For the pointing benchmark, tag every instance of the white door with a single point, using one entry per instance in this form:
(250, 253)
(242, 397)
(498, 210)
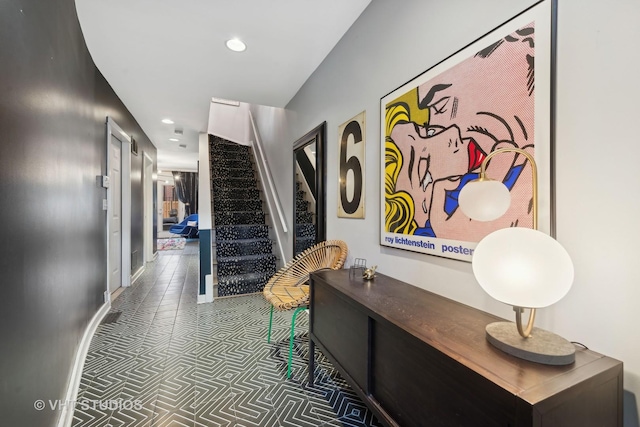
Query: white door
(148, 208)
(115, 218)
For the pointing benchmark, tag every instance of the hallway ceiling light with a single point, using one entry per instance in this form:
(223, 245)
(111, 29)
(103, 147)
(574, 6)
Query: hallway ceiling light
(167, 121)
(174, 139)
(236, 45)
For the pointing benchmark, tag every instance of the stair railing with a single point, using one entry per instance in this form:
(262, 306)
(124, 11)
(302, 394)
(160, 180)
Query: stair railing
(269, 188)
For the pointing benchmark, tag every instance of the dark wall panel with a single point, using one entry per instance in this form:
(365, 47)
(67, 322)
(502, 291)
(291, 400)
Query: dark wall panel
(53, 107)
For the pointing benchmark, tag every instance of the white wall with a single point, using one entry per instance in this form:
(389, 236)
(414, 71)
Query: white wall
(204, 183)
(234, 124)
(272, 126)
(597, 177)
(229, 122)
(598, 204)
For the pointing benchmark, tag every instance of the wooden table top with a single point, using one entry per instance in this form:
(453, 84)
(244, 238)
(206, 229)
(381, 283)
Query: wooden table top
(458, 331)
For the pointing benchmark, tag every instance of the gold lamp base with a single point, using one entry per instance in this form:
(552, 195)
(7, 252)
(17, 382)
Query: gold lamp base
(541, 347)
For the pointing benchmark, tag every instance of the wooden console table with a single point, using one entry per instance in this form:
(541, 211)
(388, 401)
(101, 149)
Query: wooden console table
(419, 359)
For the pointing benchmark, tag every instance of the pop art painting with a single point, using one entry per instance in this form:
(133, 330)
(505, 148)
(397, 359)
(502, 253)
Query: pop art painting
(438, 128)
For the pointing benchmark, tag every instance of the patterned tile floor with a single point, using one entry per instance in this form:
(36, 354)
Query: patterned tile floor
(168, 361)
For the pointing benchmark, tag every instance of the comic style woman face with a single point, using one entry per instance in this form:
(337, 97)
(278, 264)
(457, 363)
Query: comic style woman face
(431, 153)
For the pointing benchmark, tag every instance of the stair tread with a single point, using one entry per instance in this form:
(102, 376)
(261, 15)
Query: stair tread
(235, 212)
(245, 257)
(227, 168)
(244, 241)
(234, 199)
(245, 276)
(240, 225)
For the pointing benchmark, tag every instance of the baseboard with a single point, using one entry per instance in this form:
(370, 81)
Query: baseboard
(66, 413)
(208, 287)
(135, 276)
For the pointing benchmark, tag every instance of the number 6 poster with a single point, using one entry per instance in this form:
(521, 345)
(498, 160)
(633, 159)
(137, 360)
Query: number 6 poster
(351, 137)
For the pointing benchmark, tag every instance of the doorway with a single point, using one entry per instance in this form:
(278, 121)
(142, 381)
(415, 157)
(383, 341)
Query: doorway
(170, 211)
(115, 214)
(118, 208)
(148, 208)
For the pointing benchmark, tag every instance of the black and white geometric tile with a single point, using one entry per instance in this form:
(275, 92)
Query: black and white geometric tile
(168, 361)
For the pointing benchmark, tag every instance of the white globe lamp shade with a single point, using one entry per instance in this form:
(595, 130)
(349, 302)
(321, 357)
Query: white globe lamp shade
(484, 200)
(523, 267)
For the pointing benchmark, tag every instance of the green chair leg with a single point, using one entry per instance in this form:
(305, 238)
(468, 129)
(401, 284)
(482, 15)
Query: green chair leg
(270, 323)
(293, 324)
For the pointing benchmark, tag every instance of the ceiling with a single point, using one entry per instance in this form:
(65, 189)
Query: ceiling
(167, 58)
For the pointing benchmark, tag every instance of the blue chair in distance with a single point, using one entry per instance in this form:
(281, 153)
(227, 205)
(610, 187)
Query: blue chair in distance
(188, 228)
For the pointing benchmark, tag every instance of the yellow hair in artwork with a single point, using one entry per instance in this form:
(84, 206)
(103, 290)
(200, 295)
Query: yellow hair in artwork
(399, 208)
(398, 205)
(403, 109)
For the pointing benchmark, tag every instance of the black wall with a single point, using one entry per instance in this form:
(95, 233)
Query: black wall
(53, 108)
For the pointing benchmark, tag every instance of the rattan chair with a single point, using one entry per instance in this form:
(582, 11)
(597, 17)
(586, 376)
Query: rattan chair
(289, 287)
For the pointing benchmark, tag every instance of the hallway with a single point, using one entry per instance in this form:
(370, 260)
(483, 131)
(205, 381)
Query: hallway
(167, 361)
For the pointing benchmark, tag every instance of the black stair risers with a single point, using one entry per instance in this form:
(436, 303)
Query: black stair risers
(242, 232)
(237, 205)
(242, 247)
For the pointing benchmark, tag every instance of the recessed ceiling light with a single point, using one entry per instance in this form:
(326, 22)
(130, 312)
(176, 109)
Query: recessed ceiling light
(236, 45)
(167, 121)
(174, 139)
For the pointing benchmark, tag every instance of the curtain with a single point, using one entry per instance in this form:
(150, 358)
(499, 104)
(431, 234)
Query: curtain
(186, 185)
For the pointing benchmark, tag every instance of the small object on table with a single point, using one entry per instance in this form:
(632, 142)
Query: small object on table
(369, 273)
(358, 264)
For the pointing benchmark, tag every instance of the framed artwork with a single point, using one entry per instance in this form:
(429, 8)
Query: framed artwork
(351, 140)
(437, 129)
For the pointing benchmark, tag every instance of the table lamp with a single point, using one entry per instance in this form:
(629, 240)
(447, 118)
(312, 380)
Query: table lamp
(521, 267)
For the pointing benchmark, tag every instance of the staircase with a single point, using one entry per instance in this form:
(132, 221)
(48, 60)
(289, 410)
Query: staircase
(305, 224)
(243, 251)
